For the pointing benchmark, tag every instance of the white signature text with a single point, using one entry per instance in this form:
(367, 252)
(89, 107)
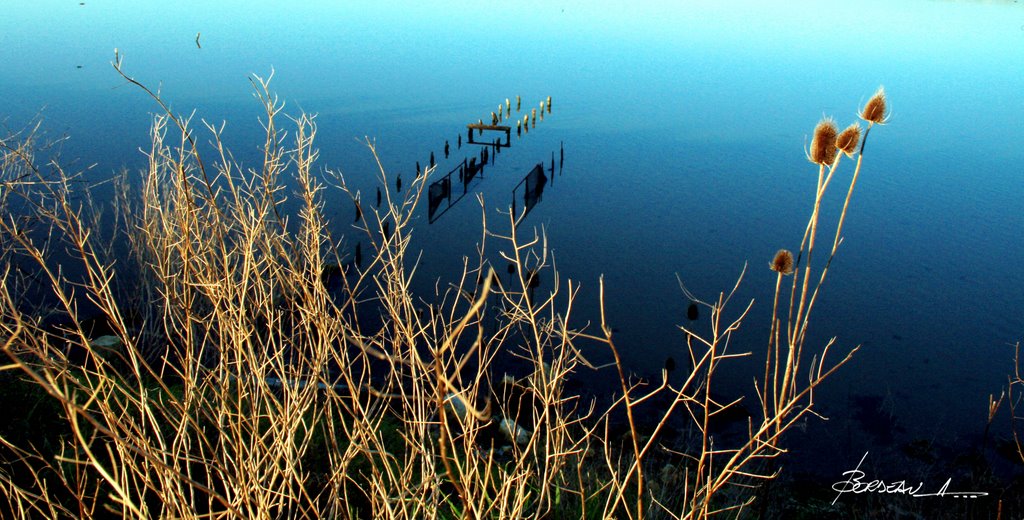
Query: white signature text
(857, 482)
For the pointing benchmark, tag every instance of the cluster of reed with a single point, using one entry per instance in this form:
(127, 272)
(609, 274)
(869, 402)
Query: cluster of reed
(255, 372)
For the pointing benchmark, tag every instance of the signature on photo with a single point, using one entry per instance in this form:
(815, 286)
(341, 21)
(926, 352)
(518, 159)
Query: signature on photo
(858, 482)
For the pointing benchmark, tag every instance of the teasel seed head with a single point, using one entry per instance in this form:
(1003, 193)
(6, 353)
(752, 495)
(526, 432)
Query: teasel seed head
(875, 109)
(782, 263)
(823, 144)
(849, 139)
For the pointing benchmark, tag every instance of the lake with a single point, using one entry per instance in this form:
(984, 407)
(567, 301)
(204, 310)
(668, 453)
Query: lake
(679, 132)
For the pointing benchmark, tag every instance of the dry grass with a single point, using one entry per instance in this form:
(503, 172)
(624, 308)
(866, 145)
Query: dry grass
(1013, 395)
(259, 373)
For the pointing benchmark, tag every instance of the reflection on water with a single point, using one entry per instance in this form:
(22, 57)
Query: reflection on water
(532, 188)
(440, 191)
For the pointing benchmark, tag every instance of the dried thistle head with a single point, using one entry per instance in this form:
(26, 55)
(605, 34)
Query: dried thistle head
(848, 139)
(823, 144)
(875, 109)
(782, 263)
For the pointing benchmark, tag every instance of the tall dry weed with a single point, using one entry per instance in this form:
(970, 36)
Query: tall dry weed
(249, 369)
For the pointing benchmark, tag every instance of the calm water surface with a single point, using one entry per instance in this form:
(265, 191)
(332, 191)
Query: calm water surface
(683, 127)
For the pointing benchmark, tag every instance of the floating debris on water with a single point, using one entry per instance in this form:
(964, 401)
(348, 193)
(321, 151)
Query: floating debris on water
(532, 279)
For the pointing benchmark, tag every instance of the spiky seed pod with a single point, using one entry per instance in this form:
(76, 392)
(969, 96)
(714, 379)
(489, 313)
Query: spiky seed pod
(875, 109)
(782, 263)
(823, 144)
(848, 139)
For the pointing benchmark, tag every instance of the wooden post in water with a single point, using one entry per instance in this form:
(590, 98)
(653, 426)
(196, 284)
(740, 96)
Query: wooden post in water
(480, 129)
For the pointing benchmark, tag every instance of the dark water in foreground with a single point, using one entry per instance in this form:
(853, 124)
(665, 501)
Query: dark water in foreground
(682, 128)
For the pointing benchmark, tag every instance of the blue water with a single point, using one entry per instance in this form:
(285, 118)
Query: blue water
(683, 127)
